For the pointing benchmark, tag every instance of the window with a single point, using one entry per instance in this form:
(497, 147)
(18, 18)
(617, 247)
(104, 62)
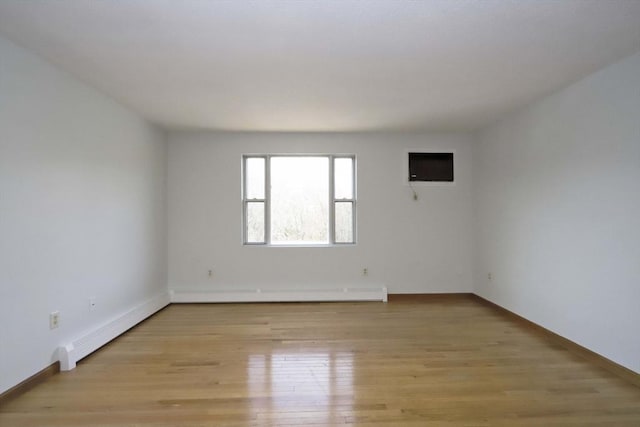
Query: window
(299, 199)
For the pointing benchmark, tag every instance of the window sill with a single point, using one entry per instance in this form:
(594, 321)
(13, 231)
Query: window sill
(331, 245)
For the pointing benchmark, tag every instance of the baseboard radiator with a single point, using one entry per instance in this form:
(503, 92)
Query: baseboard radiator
(263, 295)
(70, 353)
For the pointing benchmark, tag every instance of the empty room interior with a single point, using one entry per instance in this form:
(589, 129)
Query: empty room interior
(314, 213)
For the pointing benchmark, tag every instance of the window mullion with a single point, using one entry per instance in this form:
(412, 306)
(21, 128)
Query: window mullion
(267, 200)
(332, 202)
(353, 199)
(245, 209)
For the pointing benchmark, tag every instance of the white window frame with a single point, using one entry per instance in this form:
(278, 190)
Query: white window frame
(267, 200)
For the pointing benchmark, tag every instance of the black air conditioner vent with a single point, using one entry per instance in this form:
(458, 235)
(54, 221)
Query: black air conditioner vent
(431, 167)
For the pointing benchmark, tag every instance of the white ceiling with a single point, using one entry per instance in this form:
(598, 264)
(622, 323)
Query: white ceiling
(325, 65)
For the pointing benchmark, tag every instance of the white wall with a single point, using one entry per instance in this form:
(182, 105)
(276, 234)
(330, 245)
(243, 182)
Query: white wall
(82, 211)
(558, 212)
(408, 246)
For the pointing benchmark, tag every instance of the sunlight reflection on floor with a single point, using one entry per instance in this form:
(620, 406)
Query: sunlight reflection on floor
(317, 384)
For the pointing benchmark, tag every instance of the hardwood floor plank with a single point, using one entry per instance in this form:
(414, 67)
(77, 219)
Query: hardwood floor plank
(438, 362)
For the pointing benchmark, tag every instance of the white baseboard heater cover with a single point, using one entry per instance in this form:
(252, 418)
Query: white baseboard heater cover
(70, 353)
(261, 295)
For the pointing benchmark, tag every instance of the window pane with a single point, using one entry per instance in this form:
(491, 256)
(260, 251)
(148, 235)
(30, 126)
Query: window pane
(254, 175)
(255, 222)
(299, 200)
(343, 173)
(344, 222)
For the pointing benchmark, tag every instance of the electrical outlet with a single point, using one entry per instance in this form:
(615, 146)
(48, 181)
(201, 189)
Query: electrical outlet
(365, 271)
(489, 276)
(54, 319)
(92, 303)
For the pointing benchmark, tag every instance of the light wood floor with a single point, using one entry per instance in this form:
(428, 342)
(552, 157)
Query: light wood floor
(443, 363)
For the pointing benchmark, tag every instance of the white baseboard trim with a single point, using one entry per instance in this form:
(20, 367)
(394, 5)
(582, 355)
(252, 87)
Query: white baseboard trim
(263, 295)
(70, 353)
